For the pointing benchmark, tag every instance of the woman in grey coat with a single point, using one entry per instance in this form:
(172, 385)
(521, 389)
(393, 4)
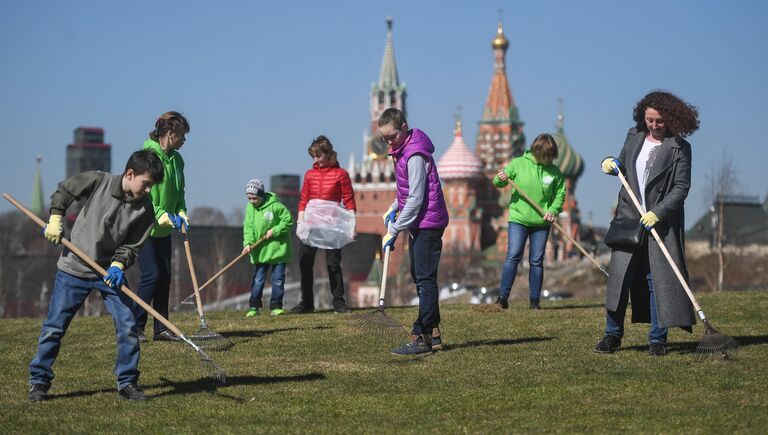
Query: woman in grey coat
(656, 161)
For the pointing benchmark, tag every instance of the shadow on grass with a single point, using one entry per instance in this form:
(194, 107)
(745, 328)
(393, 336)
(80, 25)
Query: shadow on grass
(206, 384)
(690, 346)
(573, 307)
(496, 342)
(256, 333)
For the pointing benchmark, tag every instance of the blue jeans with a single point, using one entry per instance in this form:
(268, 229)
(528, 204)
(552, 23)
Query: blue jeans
(69, 293)
(424, 252)
(278, 285)
(517, 235)
(155, 282)
(614, 320)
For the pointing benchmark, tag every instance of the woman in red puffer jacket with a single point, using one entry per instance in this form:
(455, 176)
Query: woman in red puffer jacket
(327, 181)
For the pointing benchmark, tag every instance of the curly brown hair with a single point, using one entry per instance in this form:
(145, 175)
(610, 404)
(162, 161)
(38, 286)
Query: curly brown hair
(681, 118)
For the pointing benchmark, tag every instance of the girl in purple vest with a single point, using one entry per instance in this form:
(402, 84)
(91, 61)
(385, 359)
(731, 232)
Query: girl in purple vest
(422, 212)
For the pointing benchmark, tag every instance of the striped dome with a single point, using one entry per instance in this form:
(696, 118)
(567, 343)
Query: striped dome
(568, 160)
(459, 161)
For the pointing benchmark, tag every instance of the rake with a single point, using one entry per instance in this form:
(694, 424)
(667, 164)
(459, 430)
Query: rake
(190, 300)
(378, 321)
(218, 372)
(713, 342)
(208, 338)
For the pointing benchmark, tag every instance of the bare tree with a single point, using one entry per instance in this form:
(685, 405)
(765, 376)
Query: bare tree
(207, 216)
(721, 182)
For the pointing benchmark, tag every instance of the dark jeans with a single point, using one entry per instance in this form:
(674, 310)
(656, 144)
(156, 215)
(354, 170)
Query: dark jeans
(424, 252)
(278, 285)
(517, 235)
(155, 284)
(307, 264)
(69, 293)
(614, 320)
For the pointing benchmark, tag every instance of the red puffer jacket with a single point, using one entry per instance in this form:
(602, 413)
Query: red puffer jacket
(331, 183)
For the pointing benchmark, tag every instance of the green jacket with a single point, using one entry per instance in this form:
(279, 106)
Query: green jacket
(271, 214)
(544, 184)
(168, 196)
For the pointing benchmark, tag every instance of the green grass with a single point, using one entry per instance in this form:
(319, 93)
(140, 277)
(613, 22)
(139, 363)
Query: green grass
(514, 371)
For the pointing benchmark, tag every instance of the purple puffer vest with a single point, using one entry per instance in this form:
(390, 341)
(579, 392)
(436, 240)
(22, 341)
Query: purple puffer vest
(433, 214)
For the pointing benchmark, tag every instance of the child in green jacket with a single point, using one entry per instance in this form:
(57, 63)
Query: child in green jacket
(544, 183)
(267, 218)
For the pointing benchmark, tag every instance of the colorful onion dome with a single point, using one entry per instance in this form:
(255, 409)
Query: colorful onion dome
(459, 161)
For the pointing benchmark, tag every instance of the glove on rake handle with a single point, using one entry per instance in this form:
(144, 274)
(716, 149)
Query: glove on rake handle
(100, 270)
(556, 225)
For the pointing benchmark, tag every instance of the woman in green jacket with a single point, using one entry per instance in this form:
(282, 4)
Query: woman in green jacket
(170, 214)
(266, 217)
(543, 182)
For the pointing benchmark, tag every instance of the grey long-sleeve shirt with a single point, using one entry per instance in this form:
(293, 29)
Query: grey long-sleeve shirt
(417, 178)
(108, 228)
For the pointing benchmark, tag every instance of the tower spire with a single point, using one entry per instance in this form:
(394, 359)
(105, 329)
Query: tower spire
(37, 205)
(388, 74)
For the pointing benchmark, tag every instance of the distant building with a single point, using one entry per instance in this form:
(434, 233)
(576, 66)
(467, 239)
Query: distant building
(38, 202)
(88, 152)
(287, 187)
(572, 166)
(744, 221)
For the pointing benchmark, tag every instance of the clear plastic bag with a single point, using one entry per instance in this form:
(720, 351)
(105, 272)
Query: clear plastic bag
(326, 225)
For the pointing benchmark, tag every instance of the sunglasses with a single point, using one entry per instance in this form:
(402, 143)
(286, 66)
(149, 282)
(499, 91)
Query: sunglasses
(389, 138)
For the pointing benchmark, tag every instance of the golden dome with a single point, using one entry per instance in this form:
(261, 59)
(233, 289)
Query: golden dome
(500, 41)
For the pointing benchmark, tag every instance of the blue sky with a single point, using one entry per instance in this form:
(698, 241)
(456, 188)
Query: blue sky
(259, 80)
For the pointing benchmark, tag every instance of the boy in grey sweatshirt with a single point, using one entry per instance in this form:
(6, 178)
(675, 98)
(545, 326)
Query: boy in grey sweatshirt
(113, 224)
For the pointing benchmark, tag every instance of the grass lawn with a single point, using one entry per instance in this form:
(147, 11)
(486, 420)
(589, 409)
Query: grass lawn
(513, 371)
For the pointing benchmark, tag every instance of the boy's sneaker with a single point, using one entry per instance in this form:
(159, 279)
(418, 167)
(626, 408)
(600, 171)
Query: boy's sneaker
(341, 309)
(437, 340)
(302, 309)
(132, 392)
(38, 392)
(165, 336)
(608, 344)
(417, 346)
(252, 312)
(277, 312)
(502, 303)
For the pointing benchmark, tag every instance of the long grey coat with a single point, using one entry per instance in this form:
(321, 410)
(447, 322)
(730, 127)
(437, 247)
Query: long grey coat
(665, 193)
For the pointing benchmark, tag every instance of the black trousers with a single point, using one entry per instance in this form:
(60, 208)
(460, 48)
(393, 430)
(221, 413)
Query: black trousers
(155, 284)
(307, 264)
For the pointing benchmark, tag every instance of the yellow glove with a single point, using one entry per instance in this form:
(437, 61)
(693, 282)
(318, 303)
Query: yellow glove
(388, 241)
(183, 215)
(610, 166)
(389, 216)
(648, 220)
(53, 229)
(166, 221)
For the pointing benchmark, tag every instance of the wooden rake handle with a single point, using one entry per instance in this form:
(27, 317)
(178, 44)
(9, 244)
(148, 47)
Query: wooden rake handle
(192, 273)
(556, 225)
(233, 262)
(383, 289)
(95, 266)
(663, 248)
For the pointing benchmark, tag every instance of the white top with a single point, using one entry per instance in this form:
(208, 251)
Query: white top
(643, 165)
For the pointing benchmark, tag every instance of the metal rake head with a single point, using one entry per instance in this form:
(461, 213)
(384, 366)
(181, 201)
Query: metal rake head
(380, 323)
(715, 343)
(207, 339)
(217, 371)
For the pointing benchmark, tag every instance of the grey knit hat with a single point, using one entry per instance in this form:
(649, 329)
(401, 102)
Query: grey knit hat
(255, 187)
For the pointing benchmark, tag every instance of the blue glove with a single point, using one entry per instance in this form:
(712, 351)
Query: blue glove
(388, 241)
(177, 221)
(184, 218)
(115, 277)
(610, 166)
(389, 216)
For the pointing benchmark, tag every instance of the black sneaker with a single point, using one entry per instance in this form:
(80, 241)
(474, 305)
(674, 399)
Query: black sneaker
(302, 309)
(502, 303)
(341, 309)
(417, 346)
(657, 349)
(165, 336)
(608, 344)
(534, 305)
(132, 392)
(38, 392)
